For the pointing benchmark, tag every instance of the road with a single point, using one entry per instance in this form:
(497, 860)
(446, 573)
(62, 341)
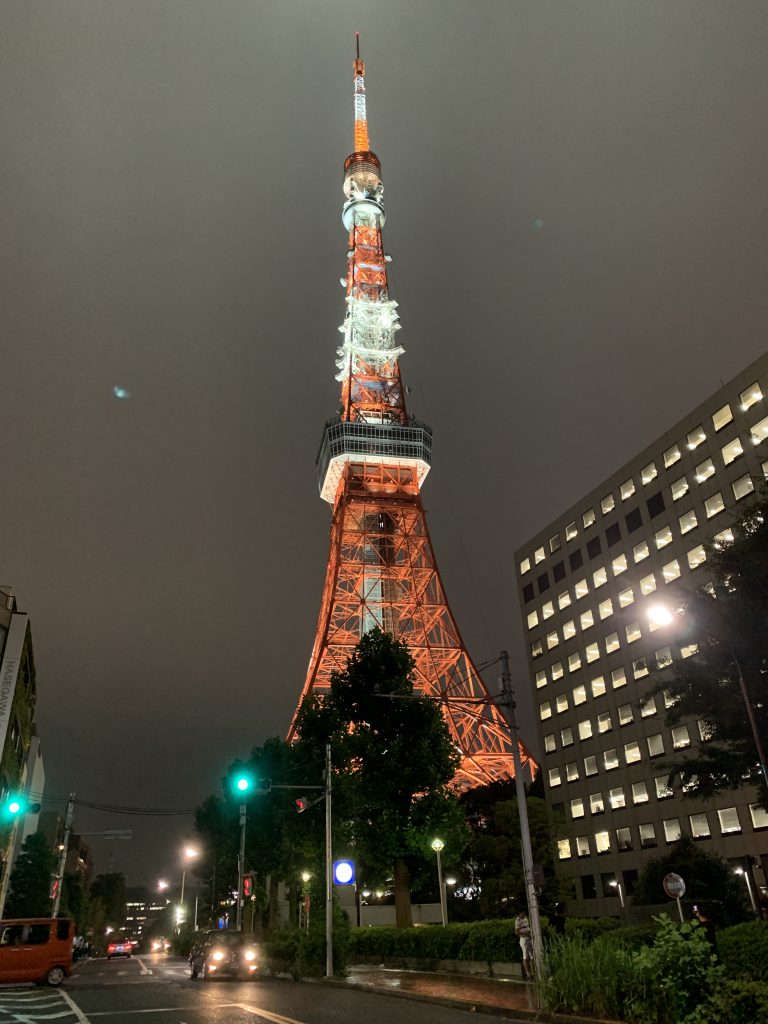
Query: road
(157, 989)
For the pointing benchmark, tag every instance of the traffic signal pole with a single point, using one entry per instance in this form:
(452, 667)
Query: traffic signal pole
(241, 868)
(63, 854)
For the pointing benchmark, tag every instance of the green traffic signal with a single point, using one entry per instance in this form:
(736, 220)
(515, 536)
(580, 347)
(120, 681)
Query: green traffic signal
(245, 783)
(15, 806)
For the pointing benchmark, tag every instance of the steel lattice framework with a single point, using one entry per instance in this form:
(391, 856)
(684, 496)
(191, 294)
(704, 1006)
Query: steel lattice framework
(372, 462)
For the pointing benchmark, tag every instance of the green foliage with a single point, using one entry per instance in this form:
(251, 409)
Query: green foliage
(708, 879)
(733, 1002)
(183, 940)
(74, 901)
(110, 890)
(744, 950)
(30, 886)
(674, 975)
(311, 948)
(490, 941)
(587, 977)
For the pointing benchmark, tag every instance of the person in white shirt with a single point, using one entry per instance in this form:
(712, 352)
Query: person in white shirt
(523, 932)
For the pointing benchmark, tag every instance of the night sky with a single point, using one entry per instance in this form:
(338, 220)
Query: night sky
(576, 198)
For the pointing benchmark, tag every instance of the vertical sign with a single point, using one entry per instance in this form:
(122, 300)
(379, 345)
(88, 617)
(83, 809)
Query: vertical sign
(9, 670)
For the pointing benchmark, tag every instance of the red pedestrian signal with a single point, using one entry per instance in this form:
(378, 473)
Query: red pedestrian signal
(247, 886)
(301, 804)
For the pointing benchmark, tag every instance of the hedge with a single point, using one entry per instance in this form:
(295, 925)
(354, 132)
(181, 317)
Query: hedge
(744, 950)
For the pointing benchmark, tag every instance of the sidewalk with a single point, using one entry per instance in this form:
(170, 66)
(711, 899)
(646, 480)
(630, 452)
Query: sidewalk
(508, 997)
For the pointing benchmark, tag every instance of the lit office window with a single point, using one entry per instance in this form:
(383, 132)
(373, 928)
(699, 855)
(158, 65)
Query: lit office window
(648, 584)
(598, 686)
(640, 551)
(681, 737)
(759, 816)
(561, 703)
(563, 600)
(605, 608)
(688, 650)
(547, 610)
(639, 793)
(588, 518)
(538, 555)
(632, 752)
(633, 632)
(574, 662)
(582, 846)
(669, 700)
(732, 450)
(590, 766)
(625, 714)
(554, 543)
(687, 521)
(599, 577)
(611, 643)
(704, 470)
(640, 668)
(552, 640)
(648, 473)
(714, 505)
(554, 777)
(764, 467)
(663, 658)
(750, 396)
(587, 619)
(619, 565)
(571, 531)
(618, 678)
(670, 571)
(596, 805)
(723, 538)
(581, 589)
(566, 737)
(679, 488)
(556, 670)
(577, 808)
(671, 829)
(579, 695)
(648, 707)
(536, 649)
(663, 537)
(696, 556)
(564, 849)
(533, 619)
(541, 679)
(729, 820)
(616, 799)
(585, 729)
(758, 432)
(699, 826)
(647, 836)
(626, 597)
(607, 504)
(696, 437)
(706, 730)
(545, 710)
(604, 723)
(671, 456)
(592, 653)
(722, 417)
(627, 489)
(603, 842)
(663, 790)
(610, 759)
(569, 629)
(525, 566)
(549, 743)
(624, 838)
(571, 771)
(655, 745)
(742, 487)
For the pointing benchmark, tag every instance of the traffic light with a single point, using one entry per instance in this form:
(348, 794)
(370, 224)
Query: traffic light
(247, 886)
(301, 804)
(16, 805)
(245, 783)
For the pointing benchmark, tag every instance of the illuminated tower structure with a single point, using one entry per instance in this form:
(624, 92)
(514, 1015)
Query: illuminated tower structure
(372, 462)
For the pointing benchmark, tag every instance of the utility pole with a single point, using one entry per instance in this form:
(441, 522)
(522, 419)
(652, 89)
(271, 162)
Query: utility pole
(241, 868)
(63, 853)
(328, 868)
(508, 704)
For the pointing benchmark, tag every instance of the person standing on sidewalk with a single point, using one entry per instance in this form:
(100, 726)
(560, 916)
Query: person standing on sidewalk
(523, 932)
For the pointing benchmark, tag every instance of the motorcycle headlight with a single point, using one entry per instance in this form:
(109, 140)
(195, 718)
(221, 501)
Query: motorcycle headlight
(218, 954)
(250, 954)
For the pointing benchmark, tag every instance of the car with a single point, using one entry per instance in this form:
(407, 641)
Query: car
(224, 954)
(120, 947)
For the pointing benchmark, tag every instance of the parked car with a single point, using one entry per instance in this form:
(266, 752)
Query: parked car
(224, 954)
(36, 949)
(120, 947)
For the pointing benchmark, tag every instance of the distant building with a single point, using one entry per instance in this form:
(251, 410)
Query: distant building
(140, 909)
(587, 581)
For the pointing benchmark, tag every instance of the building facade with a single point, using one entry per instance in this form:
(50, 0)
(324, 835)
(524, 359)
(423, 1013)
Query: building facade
(587, 583)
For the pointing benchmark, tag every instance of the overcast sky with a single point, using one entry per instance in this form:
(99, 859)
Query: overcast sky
(576, 199)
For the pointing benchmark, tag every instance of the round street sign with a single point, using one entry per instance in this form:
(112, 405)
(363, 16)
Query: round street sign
(674, 886)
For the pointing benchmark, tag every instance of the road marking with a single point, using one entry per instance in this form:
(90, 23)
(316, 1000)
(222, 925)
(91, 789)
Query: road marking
(167, 1009)
(276, 1017)
(73, 1006)
(143, 966)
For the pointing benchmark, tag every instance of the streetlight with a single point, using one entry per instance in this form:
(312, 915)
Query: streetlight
(745, 875)
(617, 885)
(190, 852)
(162, 885)
(437, 845)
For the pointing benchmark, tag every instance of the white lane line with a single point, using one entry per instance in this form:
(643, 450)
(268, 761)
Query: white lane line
(164, 1009)
(143, 966)
(276, 1017)
(82, 1019)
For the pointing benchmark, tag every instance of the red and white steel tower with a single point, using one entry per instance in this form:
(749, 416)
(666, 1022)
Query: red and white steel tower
(372, 462)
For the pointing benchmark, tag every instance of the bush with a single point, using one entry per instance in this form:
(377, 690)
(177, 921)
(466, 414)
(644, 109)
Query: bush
(743, 950)
(481, 940)
(281, 953)
(586, 977)
(735, 1002)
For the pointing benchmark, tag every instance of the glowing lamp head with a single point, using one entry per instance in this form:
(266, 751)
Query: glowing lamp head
(305, 876)
(14, 807)
(437, 845)
(660, 615)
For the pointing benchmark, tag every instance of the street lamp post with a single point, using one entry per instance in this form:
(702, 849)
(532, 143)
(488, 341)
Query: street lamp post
(745, 876)
(615, 884)
(189, 854)
(437, 846)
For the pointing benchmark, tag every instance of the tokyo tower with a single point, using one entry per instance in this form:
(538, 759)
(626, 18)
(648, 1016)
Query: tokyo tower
(373, 460)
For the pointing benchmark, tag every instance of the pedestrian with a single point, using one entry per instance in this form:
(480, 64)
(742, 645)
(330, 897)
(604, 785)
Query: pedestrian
(706, 922)
(523, 932)
(557, 921)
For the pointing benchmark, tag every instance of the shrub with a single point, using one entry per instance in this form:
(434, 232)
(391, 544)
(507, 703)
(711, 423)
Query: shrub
(734, 1002)
(744, 950)
(586, 977)
(281, 953)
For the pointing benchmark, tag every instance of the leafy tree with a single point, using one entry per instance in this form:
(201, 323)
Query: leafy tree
(393, 761)
(727, 621)
(30, 887)
(74, 901)
(708, 880)
(110, 890)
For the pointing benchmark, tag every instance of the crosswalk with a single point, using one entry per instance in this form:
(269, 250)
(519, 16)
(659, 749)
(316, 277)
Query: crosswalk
(24, 1006)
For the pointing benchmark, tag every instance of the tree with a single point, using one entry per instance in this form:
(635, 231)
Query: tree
(74, 901)
(726, 619)
(709, 880)
(110, 890)
(30, 887)
(393, 760)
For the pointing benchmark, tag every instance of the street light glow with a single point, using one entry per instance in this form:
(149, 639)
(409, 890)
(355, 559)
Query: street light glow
(162, 885)
(437, 845)
(659, 615)
(190, 852)
(305, 876)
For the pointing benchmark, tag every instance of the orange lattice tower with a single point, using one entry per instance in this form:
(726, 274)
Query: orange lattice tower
(372, 462)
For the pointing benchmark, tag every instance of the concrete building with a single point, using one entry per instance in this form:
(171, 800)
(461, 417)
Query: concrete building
(586, 583)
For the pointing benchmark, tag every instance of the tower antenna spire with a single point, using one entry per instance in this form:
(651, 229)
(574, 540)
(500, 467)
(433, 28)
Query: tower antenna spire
(361, 121)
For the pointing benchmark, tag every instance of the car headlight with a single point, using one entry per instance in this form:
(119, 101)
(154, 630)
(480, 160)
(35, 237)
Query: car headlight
(218, 954)
(249, 954)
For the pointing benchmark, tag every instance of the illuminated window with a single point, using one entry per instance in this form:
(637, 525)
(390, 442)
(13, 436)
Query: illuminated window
(579, 695)
(696, 437)
(588, 518)
(647, 835)
(670, 571)
(554, 777)
(592, 652)
(663, 790)
(722, 417)
(564, 849)
(605, 608)
(570, 531)
(624, 838)
(640, 668)
(619, 565)
(607, 504)
(639, 793)
(759, 816)
(625, 714)
(723, 538)
(525, 566)
(648, 473)
(669, 700)
(616, 799)
(663, 658)
(611, 643)
(631, 752)
(536, 649)
(729, 820)
(549, 743)
(538, 555)
(563, 600)
(633, 632)
(547, 610)
(626, 597)
(587, 619)
(604, 723)
(545, 710)
(680, 737)
(577, 808)
(714, 504)
(655, 745)
(648, 584)
(590, 766)
(618, 678)
(598, 686)
(533, 620)
(764, 467)
(663, 537)
(554, 543)
(541, 679)
(585, 729)
(561, 703)
(581, 589)
(750, 396)
(596, 805)
(671, 829)
(679, 488)
(671, 456)
(706, 730)
(574, 662)
(627, 489)
(610, 759)
(557, 670)
(582, 846)
(704, 470)
(758, 432)
(599, 577)
(569, 629)
(566, 737)
(732, 450)
(571, 772)
(699, 826)
(696, 556)
(552, 640)
(603, 842)
(742, 487)
(648, 707)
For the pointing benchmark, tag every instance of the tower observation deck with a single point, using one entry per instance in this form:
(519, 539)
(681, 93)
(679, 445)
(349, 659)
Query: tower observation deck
(372, 463)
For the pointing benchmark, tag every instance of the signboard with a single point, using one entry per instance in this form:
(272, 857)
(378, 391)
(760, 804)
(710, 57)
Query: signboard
(344, 872)
(674, 886)
(9, 670)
